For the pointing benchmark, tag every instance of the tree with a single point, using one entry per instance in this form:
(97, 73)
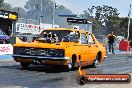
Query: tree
(124, 27)
(21, 12)
(4, 6)
(1, 2)
(34, 11)
(88, 14)
(105, 18)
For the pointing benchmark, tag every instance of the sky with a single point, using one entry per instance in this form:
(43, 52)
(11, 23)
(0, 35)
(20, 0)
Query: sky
(78, 6)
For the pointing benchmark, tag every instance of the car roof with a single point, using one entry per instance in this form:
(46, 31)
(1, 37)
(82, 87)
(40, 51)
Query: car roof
(80, 30)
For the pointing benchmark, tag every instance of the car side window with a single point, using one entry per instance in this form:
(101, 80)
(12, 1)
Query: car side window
(84, 39)
(90, 39)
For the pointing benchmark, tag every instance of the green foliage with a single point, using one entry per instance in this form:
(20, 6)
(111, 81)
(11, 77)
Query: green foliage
(105, 18)
(6, 6)
(124, 26)
(21, 12)
(1, 3)
(33, 8)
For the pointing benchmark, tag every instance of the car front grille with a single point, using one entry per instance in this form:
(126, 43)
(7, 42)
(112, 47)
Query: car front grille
(39, 51)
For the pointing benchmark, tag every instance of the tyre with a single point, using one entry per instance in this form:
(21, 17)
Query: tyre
(24, 65)
(70, 65)
(96, 62)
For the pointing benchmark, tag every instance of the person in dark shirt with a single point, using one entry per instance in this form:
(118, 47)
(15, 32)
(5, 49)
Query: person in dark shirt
(111, 39)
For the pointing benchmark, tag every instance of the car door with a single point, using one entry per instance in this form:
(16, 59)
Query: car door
(84, 48)
(93, 47)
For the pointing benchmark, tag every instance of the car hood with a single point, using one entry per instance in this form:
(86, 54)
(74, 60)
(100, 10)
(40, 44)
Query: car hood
(44, 45)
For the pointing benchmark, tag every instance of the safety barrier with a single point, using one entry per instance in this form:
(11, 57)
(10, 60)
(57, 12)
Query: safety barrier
(6, 49)
(124, 45)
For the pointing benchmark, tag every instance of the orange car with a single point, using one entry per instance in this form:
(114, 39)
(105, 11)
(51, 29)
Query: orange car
(61, 46)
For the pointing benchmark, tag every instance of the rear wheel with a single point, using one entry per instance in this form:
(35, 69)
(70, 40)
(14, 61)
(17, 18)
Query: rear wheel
(24, 65)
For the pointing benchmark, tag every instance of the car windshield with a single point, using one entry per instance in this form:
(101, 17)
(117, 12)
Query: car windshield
(54, 36)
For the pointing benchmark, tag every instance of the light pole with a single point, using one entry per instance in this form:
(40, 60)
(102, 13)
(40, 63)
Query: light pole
(41, 8)
(129, 22)
(53, 14)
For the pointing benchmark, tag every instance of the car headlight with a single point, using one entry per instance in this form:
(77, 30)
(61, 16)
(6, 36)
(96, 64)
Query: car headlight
(18, 50)
(53, 52)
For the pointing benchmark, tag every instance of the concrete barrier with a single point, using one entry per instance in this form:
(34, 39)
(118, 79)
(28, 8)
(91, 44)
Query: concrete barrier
(124, 45)
(6, 57)
(6, 49)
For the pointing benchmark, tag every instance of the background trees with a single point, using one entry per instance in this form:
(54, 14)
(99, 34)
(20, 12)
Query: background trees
(34, 11)
(1, 2)
(105, 18)
(4, 6)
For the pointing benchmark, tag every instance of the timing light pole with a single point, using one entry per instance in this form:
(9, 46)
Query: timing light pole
(53, 14)
(129, 22)
(41, 8)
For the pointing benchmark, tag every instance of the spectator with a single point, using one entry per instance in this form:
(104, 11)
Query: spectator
(111, 39)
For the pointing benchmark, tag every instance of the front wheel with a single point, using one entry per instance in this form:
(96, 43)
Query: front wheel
(24, 65)
(70, 65)
(96, 62)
